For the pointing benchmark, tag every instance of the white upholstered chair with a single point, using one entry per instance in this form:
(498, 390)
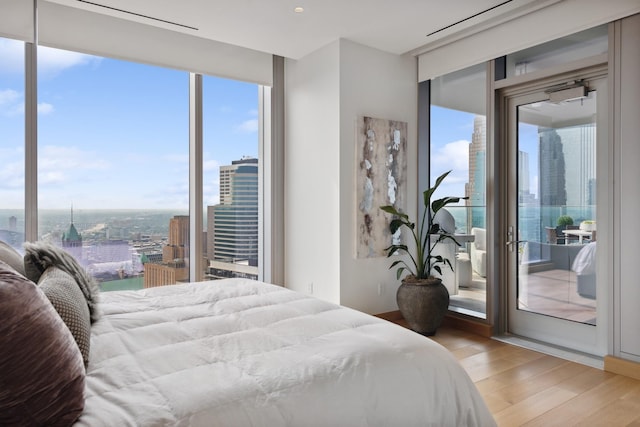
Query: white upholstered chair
(448, 250)
(478, 251)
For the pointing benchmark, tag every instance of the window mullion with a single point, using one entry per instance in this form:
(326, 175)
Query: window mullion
(195, 177)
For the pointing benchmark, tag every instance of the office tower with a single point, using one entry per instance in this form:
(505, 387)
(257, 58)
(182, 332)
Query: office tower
(578, 146)
(475, 188)
(232, 225)
(552, 190)
(175, 256)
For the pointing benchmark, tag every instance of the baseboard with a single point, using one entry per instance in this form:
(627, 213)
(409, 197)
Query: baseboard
(468, 325)
(449, 320)
(622, 367)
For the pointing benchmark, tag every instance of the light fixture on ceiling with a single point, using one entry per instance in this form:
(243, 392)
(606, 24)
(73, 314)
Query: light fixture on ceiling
(298, 9)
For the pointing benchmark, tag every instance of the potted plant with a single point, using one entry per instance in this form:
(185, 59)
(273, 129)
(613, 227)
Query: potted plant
(564, 220)
(561, 224)
(422, 298)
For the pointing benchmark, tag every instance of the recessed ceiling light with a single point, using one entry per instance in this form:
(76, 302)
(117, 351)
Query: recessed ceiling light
(298, 9)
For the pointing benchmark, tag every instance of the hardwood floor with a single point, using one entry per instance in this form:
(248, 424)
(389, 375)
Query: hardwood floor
(525, 388)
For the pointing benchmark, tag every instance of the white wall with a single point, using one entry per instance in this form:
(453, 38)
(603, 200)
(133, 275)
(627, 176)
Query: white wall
(312, 173)
(325, 92)
(382, 85)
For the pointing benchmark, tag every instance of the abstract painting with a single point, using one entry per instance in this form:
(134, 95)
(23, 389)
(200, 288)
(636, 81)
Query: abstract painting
(380, 181)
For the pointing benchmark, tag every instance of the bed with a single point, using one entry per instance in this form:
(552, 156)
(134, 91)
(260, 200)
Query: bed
(238, 352)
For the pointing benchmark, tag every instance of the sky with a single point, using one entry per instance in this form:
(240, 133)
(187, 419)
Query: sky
(450, 149)
(115, 134)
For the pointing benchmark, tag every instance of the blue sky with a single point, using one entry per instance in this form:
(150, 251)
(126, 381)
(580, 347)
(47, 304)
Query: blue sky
(114, 134)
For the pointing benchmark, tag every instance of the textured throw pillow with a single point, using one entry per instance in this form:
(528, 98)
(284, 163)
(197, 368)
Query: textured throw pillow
(39, 256)
(12, 257)
(65, 296)
(41, 372)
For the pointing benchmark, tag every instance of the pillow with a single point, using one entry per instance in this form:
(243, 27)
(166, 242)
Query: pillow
(39, 256)
(41, 372)
(66, 297)
(12, 257)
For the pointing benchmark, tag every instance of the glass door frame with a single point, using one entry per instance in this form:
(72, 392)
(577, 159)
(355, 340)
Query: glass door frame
(567, 334)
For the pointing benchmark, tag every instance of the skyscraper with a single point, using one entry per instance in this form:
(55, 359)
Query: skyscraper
(475, 188)
(552, 189)
(175, 256)
(232, 225)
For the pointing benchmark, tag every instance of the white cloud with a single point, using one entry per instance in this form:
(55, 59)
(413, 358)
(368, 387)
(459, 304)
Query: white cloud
(50, 61)
(56, 163)
(45, 108)
(53, 61)
(249, 126)
(52, 177)
(210, 165)
(12, 174)
(455, 156)
(9, 97)
(11, 103)
(12, 54)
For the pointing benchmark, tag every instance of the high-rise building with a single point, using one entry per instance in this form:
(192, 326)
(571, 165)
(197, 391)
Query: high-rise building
(475, 188)
(578, 145)
(232, 225)
(175, 256)
(551, 165)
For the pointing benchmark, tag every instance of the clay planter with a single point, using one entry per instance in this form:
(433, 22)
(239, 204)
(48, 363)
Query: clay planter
(423, 304)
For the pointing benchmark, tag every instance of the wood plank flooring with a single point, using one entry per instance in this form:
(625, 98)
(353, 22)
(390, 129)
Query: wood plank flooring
(525, 388)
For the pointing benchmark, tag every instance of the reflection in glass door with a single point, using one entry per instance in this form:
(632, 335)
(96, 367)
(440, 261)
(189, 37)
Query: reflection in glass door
(552, 236)
(557, 211)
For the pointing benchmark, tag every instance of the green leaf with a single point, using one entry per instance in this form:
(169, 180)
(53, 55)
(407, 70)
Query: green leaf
(395, 224)
(393, 211)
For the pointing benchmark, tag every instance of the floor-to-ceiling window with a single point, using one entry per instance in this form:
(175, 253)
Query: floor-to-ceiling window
(12, 137)
(458, 144)
(230, 178)
(113, 159)
(113, 181)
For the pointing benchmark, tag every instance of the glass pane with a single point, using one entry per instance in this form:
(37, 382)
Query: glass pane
(557, 209)
(458, 143)
(591, 42)
(113, 167)
(12, 77)
(231, 178)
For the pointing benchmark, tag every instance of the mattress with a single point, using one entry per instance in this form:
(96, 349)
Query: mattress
(237, 352)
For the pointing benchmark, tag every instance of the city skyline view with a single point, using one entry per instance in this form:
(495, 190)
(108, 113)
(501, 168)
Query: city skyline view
(103, 120)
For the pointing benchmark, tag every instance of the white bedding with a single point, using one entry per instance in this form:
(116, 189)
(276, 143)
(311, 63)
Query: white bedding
(238, 352)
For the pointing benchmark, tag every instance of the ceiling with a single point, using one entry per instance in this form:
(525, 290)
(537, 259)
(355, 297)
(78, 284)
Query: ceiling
(273, 26)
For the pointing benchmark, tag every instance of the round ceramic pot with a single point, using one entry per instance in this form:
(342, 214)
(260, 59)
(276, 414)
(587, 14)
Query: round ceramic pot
(423, 304)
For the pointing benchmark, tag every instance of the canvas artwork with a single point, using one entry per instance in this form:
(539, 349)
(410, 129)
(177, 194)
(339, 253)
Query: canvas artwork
(381, 180)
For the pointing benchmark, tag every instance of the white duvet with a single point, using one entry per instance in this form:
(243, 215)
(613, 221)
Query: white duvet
(238, 352)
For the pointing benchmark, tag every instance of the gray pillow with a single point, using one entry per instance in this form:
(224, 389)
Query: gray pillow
(65, 296)
(41, 372)
(39, 256)
(12, 257)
